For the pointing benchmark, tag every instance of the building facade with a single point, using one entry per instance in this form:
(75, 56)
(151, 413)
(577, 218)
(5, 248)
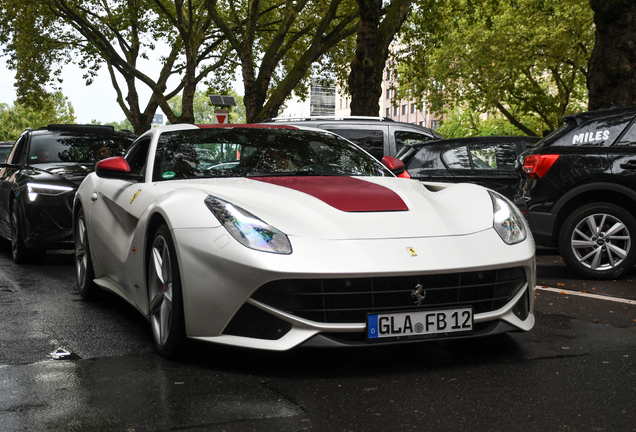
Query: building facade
(402, 110)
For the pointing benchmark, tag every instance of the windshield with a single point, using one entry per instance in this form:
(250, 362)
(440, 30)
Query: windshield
(247, 152)
(76, 148)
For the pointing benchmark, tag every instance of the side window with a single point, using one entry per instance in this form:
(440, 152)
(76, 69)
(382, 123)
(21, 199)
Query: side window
(370, 140)
(137, 155)
(596, 133)
(403, 138)
(493, 156)
(629, 139)
(457, 158)
(18, 150)
(426, 158)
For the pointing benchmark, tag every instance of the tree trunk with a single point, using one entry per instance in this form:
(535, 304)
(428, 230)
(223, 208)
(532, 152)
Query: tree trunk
(372, 50)
(612, 69)
(365, 78)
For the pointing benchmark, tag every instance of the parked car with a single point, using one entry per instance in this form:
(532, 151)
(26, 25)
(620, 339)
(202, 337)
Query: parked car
(579, 191)
(5, 149)
(40, 178)
(379, 136)
(296, 237)
(488, 161)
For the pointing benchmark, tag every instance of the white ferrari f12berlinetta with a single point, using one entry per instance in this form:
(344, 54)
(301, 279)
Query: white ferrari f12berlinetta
(274, 237)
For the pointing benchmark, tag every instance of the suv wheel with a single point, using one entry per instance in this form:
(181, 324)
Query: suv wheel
(596, 240)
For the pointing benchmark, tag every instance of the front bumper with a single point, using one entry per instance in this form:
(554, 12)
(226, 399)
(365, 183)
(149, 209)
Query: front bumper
(48, 221)
(221, 278)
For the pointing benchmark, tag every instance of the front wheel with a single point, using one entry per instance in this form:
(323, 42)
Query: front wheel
(596, 240)
(84, 272)
(164, 294)
(19, 251)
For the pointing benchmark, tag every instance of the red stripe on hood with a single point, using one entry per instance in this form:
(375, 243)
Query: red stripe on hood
(344, 193)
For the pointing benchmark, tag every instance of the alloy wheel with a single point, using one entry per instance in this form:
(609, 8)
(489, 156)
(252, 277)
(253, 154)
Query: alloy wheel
(600, 242)
(81, 257)
(160, 290)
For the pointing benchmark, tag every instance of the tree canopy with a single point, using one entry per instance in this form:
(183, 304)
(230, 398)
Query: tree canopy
(526, 59)
(278, 41)
(120, 35)
(54, 109)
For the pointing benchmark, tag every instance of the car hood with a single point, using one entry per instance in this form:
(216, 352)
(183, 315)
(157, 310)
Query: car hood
(69, 171)
(392, 207)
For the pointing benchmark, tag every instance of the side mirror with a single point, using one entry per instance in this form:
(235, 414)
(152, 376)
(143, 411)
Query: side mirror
(116, 168)
(396, 166)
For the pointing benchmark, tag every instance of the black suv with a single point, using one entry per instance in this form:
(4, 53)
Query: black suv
(378, 136)
(39, 179)
(579, 191)
(485, 160)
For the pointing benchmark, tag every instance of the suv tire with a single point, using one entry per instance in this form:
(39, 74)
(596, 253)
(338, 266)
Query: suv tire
(596, 240)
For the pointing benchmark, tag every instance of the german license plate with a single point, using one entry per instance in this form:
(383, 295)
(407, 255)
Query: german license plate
(419, 324)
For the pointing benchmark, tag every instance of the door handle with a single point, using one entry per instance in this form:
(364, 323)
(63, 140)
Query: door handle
(630, 165)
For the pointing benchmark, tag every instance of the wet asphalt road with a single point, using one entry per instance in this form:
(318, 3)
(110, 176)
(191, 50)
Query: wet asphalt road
(575, 371)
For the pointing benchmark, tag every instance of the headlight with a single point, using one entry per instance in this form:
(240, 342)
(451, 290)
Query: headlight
(35, 189)
(507, 220)
(247, 228)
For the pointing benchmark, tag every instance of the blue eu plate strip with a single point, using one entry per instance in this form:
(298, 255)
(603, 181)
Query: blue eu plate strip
(372, 326)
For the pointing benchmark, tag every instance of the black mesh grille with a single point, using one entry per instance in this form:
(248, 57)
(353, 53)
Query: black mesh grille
(349, 300)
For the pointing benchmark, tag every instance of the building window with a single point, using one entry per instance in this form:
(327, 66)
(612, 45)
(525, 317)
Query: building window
(412, 108)
(395, 111)
(388, 93)
(388, 112)
(433, 124)
(403, 109)
(322, 100)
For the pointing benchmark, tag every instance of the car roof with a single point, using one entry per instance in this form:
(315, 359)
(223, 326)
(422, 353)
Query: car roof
(466, 140)
(79, 129)
(579, 118)
(337, 119)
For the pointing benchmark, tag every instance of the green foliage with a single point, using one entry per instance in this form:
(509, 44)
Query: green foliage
(526, 59)
(278, 42)
(462, 122)
(117, 35)
(14, 120)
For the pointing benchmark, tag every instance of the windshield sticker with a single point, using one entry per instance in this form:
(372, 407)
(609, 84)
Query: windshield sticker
(590, 137)
(168, 175)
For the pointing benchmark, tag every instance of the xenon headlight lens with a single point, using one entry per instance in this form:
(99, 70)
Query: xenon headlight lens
(507, 220)
(35, 189)
(249, 230)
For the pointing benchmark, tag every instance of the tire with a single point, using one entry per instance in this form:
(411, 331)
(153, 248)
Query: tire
(19, 251)
(84, 272)
(165, 298)
(596, 240)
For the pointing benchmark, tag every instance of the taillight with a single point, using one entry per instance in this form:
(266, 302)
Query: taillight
(536, 166)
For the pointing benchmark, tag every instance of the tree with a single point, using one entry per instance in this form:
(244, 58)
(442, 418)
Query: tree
(55, 109)
(277, 43)
(460, 121)
(120, 34)
(612, 68)
(378, 24)
(526, 59)
(31, 53)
